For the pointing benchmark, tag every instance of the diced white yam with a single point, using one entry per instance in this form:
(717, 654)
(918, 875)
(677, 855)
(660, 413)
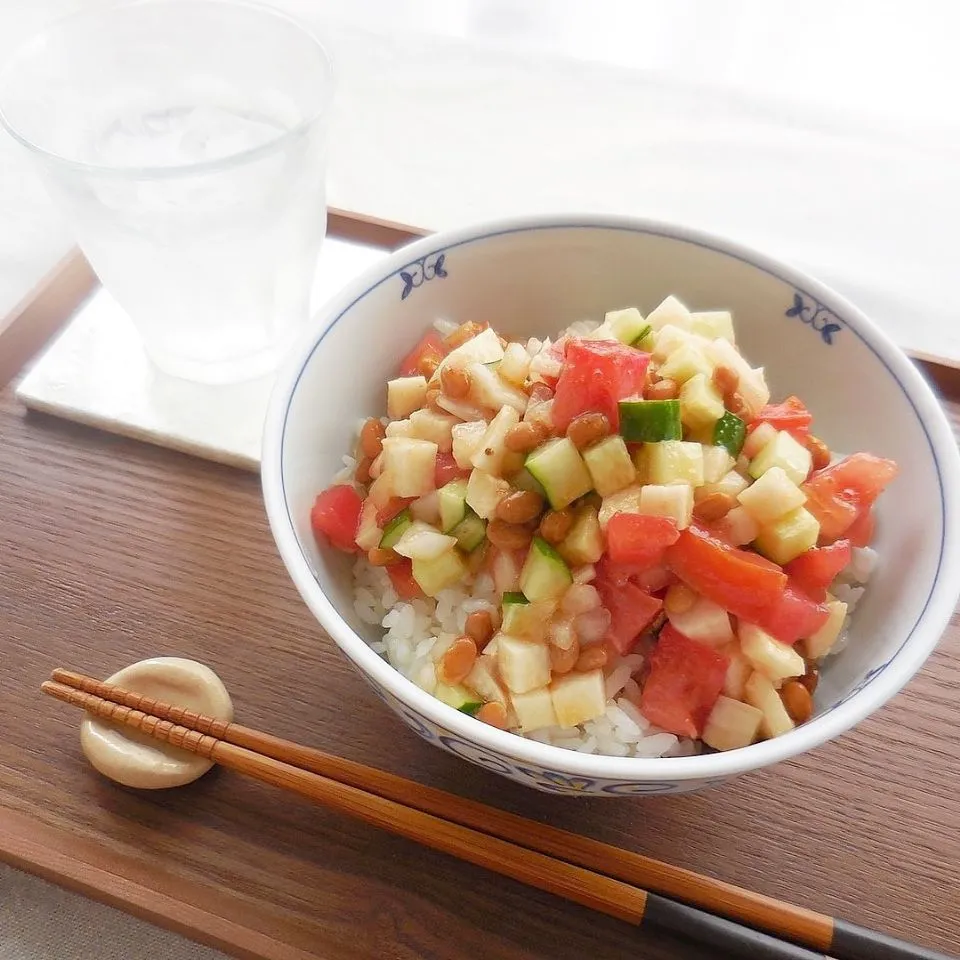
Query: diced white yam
(404, 395)
(754, 392)
(626, 501)
(820, 643)
(738, 671)
(725, 354)
(515, 364)
(717, 463)
(488, 390)
(757, 439)
(491, 451)
(731, 724)
(770, 497)
(534, 709)
(713, 324)
(381, 490)
(775, 660)
(669, 311)
(410, 464)
(705, 621)
(505, 570)
(483, 681)
(686, 362)
(673, 461)
(399, 428)
(484, 492)
(428, 425)
(610, 466)
(368, 533)
(759, 692)
(701, 404)
(670, 338)
(465, 440)
(427, 508)
(461, 409)
(483, 348)
(737, 527)
(420, 541)
(785, 452)
(673, 500)
(578, 697)
(523, 665)
(731, 483)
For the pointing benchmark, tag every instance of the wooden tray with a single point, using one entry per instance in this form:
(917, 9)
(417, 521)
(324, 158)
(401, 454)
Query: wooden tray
(111, 550)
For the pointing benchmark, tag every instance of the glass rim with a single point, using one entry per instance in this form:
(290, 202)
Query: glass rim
(227, 162)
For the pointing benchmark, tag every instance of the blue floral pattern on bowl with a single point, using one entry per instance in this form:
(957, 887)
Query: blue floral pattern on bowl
(815, 315)
(416, 274)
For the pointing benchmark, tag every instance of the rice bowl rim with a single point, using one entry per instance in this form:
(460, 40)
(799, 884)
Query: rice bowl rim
(882, 682)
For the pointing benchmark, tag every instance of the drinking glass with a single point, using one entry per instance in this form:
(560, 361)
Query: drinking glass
(185, 140)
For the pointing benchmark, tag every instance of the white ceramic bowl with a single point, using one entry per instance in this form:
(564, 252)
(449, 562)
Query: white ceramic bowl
(534, 276)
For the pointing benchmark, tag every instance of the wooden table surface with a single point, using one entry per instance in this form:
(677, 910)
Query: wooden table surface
(112, 550)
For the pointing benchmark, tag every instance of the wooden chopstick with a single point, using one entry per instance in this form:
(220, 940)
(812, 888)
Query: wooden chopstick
(817, 931)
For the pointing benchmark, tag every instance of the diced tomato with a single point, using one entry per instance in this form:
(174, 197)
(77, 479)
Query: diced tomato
(743, 583)
(838, 494)
(792, 616)
(431, 347)
(632, 610)
(447, 470)
(401, 576)
(791, 415)
(595, 375)
(638, 539)
(685, 679)
(336, 514)
(391, 508)
(860, 533)
(816, 569)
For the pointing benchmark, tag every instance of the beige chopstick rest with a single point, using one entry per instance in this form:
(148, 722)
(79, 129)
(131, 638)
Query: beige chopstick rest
(137, 760)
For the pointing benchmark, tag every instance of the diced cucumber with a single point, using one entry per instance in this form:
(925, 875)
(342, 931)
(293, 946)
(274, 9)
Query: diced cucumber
(525, 480)
(759, 692)
(785, 539)
(645, 339)
(649, 421)
(454, 695)
(731, 724)
(685, 362)
(730, 432)
(784, 452)
(545, 575)
(470, 532)
(700, 403)
(513, 598)
(673, 500)
(584, 541)
(444, 571)
(453, 504)
(772, 496)
(561, 472)
(673, 461)
(625, 325)
(528, 620)
(422, 541)
(395, 529)
(669, 312)
(775, 660)
(610, 466)
(471, 708)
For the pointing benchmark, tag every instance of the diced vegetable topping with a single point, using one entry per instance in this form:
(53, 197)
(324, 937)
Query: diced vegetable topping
(636, 524)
